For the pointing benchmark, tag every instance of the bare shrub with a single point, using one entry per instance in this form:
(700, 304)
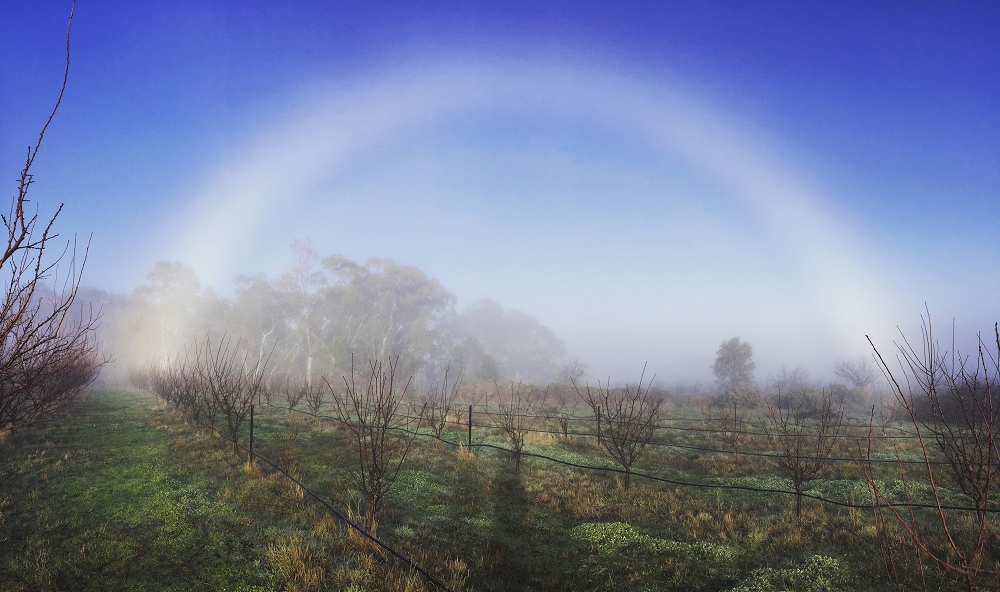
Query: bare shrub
(516, 414)
(564, 403)
(733, 427)
(231, 379)
(627, 419)
(48, 354)
(313, 394)
(953, 405)
(438, 403)
(293, 393)
(804, 434)
(379, 436)
(269, 387)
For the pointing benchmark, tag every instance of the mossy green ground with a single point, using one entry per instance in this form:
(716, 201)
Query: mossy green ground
(101, 499)
(123, 494)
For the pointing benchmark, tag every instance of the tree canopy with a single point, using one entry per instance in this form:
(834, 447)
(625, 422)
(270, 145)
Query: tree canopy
(315, 317)
(734, 365)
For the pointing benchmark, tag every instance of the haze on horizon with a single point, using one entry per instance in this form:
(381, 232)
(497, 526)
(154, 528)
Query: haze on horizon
(647, 181)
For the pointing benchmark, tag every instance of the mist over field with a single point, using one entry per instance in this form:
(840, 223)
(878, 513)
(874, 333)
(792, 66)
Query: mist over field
(639, 203)
(500, 297)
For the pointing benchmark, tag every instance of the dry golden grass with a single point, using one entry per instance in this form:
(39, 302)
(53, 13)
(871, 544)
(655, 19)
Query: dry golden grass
(465, 455)
(296, 561)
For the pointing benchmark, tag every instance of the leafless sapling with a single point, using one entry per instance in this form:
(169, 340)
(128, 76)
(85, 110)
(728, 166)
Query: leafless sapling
(516, 414)
(563, 406)
(627, 418)
(803, 434)
(953, 405)
(438, 404)
(48, 354)
(293, 392)
(733, 427)
(230, 379)
(313, 394)
(379, 436)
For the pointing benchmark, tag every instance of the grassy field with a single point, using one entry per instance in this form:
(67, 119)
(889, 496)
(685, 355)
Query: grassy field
(123, 493)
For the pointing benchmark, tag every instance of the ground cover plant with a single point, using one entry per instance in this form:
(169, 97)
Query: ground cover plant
(160, 501)
(124, 494)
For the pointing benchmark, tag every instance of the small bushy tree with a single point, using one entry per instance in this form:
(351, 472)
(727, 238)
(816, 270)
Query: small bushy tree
(48, 351)
(803, 432)
(379, 436)
(516, 413)
(734, 366)
(626, 419)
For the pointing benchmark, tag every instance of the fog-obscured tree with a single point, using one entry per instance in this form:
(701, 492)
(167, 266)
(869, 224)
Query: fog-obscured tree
(571, 371)
(381, 309)
(305, 316)
(788, 381)
(162, 316)
(479, 365)
(259, 315)
(323, 311)
(860, 373)
(734, 366)
(523, 347)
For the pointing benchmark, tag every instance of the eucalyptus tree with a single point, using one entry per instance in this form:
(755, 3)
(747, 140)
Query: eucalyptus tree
(300, 289)
(380, 309)
(259, 316)
(518, 344)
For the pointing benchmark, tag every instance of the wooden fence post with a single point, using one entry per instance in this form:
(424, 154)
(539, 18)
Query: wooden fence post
(251, 435)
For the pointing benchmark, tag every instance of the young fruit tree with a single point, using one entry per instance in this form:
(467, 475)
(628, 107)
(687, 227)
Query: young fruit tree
(231, 380)
(803, 435)
(516, 414)
(627, 419)
(438, 404)
(48, 350)
(953, 405)
(378, 435)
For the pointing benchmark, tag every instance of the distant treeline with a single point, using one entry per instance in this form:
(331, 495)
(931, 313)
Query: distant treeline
(312, 319)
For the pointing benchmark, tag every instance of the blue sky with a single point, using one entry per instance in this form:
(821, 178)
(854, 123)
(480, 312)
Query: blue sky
(646, 178)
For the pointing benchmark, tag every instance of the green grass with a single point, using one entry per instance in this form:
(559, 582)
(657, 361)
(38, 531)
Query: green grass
(120, 495)
(104, 500)
(123, 494)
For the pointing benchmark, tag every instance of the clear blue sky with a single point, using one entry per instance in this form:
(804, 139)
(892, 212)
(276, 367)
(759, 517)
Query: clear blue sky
(646, 178)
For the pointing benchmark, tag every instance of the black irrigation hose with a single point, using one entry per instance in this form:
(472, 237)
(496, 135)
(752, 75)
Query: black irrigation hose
(665, 444)
(431, 578)
(713, 485)
(906, 435)
(689, 483)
